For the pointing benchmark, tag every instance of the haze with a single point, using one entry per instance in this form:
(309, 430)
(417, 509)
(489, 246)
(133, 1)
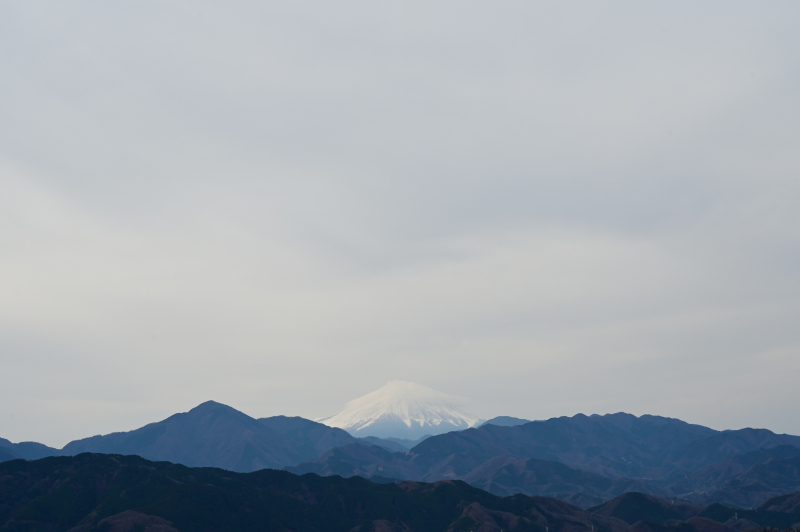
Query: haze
(546, 208)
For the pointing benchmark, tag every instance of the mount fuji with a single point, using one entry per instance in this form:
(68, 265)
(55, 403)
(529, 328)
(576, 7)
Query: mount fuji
(403, 410)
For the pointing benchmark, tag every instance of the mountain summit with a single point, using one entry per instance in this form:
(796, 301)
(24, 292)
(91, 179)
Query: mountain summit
(402, 410)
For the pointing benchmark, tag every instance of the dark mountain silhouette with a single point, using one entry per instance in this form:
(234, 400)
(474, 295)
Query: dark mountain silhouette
(110, 493)
(93, 492)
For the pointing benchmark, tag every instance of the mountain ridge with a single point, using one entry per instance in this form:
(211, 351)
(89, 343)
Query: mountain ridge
(28, 450)
(613, 453)
(115, 493)
(580, 459)
(210, 434)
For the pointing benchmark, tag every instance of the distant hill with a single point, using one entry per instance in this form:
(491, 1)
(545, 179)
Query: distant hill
(393, 445)
(504, 421)
(408, 444)
(7, 454)
(28, 450)
(110, 493)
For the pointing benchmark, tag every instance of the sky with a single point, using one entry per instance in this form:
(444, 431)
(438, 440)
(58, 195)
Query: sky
(543, 207)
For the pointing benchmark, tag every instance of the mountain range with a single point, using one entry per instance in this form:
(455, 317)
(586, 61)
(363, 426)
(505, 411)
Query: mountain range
(589, 459)
(115, 493)
(584, 460)
(211, 434)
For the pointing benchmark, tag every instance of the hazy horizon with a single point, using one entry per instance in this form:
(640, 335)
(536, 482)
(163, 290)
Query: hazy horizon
(545, 208)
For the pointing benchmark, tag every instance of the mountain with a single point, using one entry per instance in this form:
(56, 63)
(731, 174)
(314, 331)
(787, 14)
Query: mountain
(504, 421)
(785, 504)
(615, 445)
(584, 460)
(393, 445)
(307, 437)
(216, 435)
(402, 410)
(7, 454)
(506, 475)
(211, 434)
(313, 439)
(363, 461)
(114, 493)
(28, 450)
(91, 492)
(588, 459)
(744, 480)
(637, 509)
(502, 475)
(722, 445)
(408, 444)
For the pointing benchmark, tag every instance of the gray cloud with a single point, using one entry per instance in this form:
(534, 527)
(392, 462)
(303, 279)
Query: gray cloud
(546, 208)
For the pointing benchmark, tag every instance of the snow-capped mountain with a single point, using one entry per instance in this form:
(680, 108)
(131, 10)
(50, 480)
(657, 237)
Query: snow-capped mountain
(402, 410)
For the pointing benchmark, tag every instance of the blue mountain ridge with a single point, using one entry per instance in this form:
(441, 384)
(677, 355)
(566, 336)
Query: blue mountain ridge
(581, 459)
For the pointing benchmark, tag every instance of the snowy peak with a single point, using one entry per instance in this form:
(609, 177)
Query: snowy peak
(402, 410)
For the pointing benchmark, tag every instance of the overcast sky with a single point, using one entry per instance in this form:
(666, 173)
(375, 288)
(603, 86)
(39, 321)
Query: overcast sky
(544, 207)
